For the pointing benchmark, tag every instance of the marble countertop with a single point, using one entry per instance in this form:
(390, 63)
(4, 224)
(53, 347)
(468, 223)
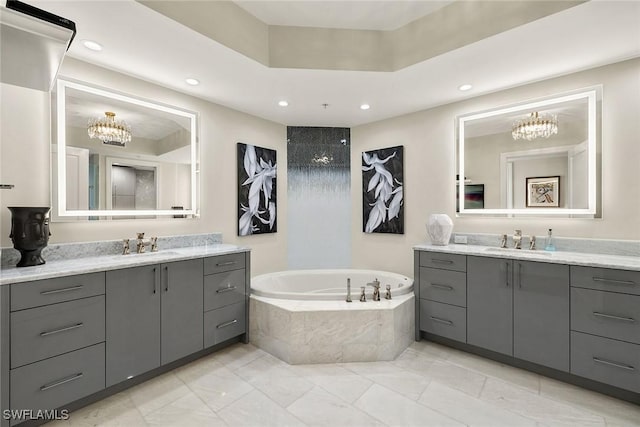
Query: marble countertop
(68, 267)
(571, 258)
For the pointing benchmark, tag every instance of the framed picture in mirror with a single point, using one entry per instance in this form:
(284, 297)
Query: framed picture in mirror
(543, 192)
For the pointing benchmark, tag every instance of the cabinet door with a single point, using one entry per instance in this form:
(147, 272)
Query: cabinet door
(541, 313)
(182, 311)
(489, 304)
(132, 322)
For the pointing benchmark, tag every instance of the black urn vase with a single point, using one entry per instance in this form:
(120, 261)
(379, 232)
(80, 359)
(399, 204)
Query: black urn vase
(29, 233)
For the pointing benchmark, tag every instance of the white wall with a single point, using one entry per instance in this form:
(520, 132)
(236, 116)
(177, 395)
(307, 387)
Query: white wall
(24, 151)
(429, 140)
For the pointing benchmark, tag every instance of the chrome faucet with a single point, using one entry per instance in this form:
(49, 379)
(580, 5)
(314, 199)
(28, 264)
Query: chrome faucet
(125, 247)
(141, 244)
(376, 289)
(387, 294)
(517, 240)
(503, 241)
(363, 297)
(348, 290)
(532, 243)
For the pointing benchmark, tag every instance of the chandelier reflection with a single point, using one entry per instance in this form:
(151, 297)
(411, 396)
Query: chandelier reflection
(109, 130)
(535, 126)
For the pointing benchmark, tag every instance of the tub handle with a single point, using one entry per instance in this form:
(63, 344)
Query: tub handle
(227, 289)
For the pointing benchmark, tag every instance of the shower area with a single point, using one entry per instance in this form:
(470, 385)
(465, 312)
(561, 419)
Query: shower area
(319, 197)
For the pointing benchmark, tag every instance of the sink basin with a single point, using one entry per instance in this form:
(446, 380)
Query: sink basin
(517, 251)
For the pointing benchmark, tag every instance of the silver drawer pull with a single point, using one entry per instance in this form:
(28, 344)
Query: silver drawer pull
(62, 381)
(225, 324)
(445, 287)
(617, 365)
(227, 289)
(611, 316)
(57, 291)
(441, 261)
(224, 264)
(614, 281)
(66, 328)
(437, 319)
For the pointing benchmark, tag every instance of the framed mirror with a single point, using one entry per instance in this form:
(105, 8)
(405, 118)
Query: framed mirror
(117, 156)
(534, 158)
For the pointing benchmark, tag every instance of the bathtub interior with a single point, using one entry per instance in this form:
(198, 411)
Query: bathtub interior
(328, 282)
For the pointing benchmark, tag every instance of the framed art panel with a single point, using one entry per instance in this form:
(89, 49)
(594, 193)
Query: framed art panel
(543, 192)
(257, 201)
(382, 190)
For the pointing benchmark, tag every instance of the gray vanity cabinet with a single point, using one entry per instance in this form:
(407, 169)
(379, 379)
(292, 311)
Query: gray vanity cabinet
(541, 313)
(154, 316)
(181, 311)
(489, 304)
(132, 322)
(519, 308)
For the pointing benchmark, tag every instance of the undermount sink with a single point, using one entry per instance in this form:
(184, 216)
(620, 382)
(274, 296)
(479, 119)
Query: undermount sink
(517, 251)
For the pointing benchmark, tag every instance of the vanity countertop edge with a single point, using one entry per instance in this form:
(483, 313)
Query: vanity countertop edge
(69, 267)
(572, 258)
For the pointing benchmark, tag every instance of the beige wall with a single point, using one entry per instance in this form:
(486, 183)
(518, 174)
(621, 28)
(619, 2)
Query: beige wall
(429, 140)
(24, 154)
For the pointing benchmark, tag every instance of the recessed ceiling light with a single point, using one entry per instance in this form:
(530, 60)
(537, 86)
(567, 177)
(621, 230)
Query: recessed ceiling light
(90, 44)
(192, 82)
(283, 103)
(465, 87)
(365, 106)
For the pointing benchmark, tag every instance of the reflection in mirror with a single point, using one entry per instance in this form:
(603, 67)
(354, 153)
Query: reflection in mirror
(537, 158)
(121, 157)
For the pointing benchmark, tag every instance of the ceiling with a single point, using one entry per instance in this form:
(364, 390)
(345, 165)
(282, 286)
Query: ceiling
(355, 15)
(143, 43)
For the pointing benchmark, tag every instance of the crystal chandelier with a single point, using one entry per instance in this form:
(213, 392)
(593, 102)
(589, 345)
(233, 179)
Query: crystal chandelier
(535, 126)
(109, 130)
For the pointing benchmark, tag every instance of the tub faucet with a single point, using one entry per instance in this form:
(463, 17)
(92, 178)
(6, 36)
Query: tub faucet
(387, 294)
(363, 297)
(376, 289)
(517, 240)
(348, 290)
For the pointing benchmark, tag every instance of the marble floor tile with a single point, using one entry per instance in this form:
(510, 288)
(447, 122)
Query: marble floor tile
(347, 387)
(427, 385)
(321, 408)
(454, 376)
(546, 411)
(188, 411)
(408, 384)
(157, 392)
(256, 409)
(517, 376)
(616, 412)
(220, 389)
(470, 410)
(393, 409)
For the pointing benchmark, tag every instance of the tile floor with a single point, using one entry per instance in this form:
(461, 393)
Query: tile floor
(427, 385)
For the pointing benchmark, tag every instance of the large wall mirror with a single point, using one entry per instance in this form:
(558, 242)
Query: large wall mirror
(120, 157)
(534, 158)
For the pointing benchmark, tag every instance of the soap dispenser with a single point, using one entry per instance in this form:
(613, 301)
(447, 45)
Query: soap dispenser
(550, 244)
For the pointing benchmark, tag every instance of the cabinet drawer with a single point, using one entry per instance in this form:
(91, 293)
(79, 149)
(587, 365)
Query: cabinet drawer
(606, 279)
(220, 263)
(445, 320)
(39, 333)
(607, 314)
(55, 382)
(224, 323)
(609, 361)
(223, 289)
(60, 289)
(445, 286)
(443, 261)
